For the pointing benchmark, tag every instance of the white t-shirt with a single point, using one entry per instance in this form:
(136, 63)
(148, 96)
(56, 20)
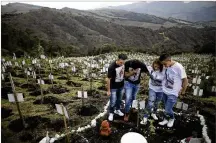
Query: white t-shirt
(157, 77)
(172, 83)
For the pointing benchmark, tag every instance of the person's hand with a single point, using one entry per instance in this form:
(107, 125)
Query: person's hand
(181, 94)
(108, 93)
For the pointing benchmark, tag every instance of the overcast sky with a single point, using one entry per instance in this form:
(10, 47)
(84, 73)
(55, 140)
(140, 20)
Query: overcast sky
(76, 5)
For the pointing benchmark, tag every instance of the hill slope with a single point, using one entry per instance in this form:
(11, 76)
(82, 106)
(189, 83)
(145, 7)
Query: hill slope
(193, 11)
(72, 32)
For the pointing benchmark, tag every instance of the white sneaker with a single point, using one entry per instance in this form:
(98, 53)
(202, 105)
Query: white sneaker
(144, 121)
(170, 123)
(118, 112)
(164, 122)
(110, 118)
(154, 116)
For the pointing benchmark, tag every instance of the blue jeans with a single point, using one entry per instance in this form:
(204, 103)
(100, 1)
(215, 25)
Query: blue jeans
(131, 91)
(169, 102)
(153, 100)
(115, 99)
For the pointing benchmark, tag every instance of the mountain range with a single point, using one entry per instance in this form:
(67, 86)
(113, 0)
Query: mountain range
(72, 32)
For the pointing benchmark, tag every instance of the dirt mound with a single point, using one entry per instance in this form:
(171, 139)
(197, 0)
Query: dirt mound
(58, 89)
(30, 86)
(87, 110)
(37, 92)
(94, 93)
(32, 123)
(85, 79)
(62, 77)
(48, 81)
(26, 136)
(5, 91)
(48, 100)
(72, 83)
(6, 112)
(102, 88)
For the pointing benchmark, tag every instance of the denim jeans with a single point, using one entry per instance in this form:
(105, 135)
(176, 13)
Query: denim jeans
(115, 99)
(131, 91)
(153, 100)
(169, 102)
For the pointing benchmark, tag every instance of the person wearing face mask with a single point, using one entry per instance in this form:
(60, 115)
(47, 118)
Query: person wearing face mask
(115, 84)
(174, 85)
(155, 90)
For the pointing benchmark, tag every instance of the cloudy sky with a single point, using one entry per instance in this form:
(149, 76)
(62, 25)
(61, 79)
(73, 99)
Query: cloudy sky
(76, 5)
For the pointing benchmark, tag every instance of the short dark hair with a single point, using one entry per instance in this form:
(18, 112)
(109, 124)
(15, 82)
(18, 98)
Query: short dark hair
(122, 56)
(164, 57)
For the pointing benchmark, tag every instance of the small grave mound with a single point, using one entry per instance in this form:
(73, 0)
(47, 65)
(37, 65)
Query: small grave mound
(102, 88)
(32, 123)
(87, 110)
(21, 75)
(48, 81)
(37, 92)
(58, 89)
(5, 91)
(71, 83)
(26, 136)
(94, 93)
(62, 77)
(56, 125)
(85, 79)
(6, 112)
(30, 86)
(48, 100)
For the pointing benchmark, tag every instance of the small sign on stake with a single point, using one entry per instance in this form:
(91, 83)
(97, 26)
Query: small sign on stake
(142, 104)
(40, 81)
(135, 104)
(200, 92)
(51, 77)
(23, 62)
(185, 106)
(179, 105)
(11, 97)
(3, 77)
(60, 111)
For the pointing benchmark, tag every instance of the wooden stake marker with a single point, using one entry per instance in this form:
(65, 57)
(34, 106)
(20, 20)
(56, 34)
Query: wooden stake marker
(16, 98)
(63, 111)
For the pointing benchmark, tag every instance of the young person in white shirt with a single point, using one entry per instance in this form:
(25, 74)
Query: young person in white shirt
(157, 73)
(174, 85)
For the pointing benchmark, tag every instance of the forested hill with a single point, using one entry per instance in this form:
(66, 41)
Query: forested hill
(72, 32)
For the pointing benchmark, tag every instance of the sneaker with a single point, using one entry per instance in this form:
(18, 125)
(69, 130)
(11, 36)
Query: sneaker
(126, 117)
(164, 122)
(170, 123)
(110, 118)
(144, 121)
(154, 116)
(118, 112)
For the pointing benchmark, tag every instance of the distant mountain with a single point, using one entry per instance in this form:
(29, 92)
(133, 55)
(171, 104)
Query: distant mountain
(72, 32)
(193, 11)
(14, 8)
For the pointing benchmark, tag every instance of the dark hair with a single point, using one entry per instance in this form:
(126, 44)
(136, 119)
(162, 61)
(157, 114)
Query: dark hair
(158, 62)
(164, 57)
(122, 56)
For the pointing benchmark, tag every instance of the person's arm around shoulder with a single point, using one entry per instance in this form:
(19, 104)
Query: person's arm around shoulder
(184, 80)
(128, 71)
